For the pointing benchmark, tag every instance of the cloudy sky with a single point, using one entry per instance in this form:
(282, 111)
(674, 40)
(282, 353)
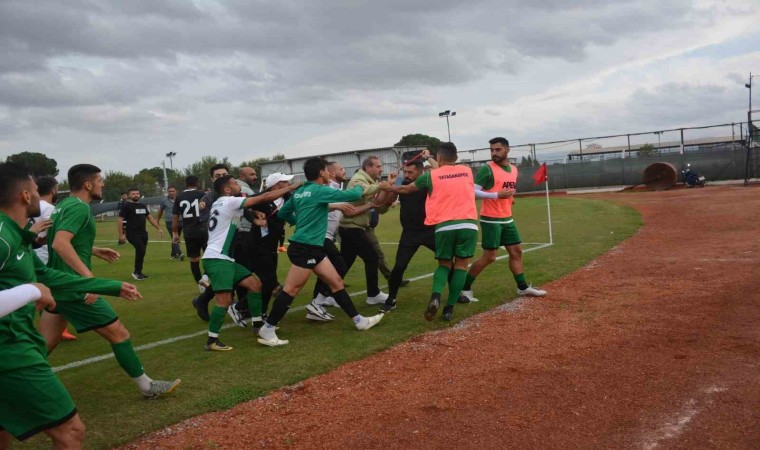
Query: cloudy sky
(121, 83)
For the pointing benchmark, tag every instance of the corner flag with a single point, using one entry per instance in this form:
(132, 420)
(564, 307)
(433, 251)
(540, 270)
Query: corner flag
(540, 175)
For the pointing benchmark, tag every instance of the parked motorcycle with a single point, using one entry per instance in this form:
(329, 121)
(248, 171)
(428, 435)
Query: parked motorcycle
(692, 178)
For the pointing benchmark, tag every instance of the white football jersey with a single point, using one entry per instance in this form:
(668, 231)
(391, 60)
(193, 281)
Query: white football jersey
(46, 210)
(223, 221)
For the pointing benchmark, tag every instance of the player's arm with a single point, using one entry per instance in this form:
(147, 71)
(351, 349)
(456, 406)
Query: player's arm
(154, 222)
(175, 228)
(62, 246)
(396, 189)
(426, 156)
(161, 208)
(502, 194)
(17, 297)
(331, 196)
(270, 196)
(66, 282)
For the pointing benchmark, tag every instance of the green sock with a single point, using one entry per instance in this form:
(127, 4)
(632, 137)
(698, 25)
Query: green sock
(455, 286)
(521, 283)
(469, 279)
(216, 319)
(254, 304)
(127, 357)
(440, 276)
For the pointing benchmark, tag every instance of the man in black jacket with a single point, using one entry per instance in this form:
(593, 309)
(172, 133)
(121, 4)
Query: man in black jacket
(135, 214)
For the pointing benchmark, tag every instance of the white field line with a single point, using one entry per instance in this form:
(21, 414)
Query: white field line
(155, 344)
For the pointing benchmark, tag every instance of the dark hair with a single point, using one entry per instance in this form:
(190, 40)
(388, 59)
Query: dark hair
(133, 189)
(12, 176)
(416, 163)
(171, 186)
(45, 185)
(368, 161)
(80, 174)
(221, 182)
(123, 193)
(216, 167)
(313, 166)
(191, 181)
(447, 151)
(499, 140)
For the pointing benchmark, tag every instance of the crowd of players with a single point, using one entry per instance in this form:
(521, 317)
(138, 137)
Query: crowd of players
(232, 235)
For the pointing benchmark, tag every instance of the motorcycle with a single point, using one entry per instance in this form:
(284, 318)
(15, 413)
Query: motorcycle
(692, 178)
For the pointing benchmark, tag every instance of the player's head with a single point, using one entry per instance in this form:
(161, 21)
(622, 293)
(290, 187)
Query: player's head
(413, 170)
(226, 186)
(171, 191)
(47, 186)
(373, 166)
(191, 182)
(337, 172)
(247, 174)
(134, 194)
(18, 186)
(86, 178)
(218, 170)
(315, 169)
(499, 150)
(447, 153)
(123, 195)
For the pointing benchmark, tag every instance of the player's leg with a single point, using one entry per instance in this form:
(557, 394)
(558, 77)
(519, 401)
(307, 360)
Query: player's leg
(327, 273)
(5, 440)
(252, 285)
(465, 243)
(491, 239)
(513, 243)
(175, 247)
(294, 282)
(68, 435)
(404, 254)
(51, 326)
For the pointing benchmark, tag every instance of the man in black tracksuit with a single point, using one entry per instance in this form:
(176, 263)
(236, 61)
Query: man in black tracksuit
(135, 214)
(414, 232)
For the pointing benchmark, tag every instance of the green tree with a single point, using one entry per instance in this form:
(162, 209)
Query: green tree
(648, 150)
(147, 183)
(116, 183)
(39, 164)
(419, 140)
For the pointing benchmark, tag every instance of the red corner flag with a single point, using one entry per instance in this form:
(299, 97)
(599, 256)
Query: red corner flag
(540, 175)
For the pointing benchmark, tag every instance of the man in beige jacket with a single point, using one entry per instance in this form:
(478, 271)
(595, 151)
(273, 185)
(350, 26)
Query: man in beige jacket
(353, 230)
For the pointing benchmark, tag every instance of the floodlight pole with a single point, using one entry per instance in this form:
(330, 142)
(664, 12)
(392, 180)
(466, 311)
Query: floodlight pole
(166, 180)
(171, 156)
(749, 108)
(447, 114)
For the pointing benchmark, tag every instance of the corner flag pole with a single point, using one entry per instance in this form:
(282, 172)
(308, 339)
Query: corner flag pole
(549, 212)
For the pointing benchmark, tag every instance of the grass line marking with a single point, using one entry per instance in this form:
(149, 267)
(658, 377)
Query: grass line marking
(155, 344)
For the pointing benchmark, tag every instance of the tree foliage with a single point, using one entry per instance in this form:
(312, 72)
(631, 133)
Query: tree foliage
(201, 169)
(648, 150)
(419, 140)
(116, 183)
(37, 163)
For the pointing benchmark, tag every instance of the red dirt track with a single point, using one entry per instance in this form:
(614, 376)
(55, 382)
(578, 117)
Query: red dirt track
(656, 344)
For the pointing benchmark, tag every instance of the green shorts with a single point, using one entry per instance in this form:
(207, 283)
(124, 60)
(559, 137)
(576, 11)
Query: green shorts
(33, 400)
(224, 274)
(497, 235)
(86, 317)
(459, 243)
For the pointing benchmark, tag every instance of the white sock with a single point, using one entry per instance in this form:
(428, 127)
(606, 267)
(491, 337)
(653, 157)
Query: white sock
(143, 382)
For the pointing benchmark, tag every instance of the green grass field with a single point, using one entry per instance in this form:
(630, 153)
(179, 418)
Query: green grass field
(113, 410)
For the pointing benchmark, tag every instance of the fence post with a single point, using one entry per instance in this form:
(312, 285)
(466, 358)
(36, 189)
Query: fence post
(580, 148)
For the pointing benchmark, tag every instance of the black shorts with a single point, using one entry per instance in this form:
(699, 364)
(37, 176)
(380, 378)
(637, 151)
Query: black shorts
(304, 255)
(194, 246)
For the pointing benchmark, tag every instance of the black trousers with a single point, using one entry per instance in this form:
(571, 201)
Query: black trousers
(407, 247)
(354, 242)
(333, 254)
(261, 262)
(176, 249)
(139, 240)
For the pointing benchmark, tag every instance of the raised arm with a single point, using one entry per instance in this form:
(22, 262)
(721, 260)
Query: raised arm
(270, 196)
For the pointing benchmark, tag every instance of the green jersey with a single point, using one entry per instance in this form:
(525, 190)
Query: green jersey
(485, 177)
(73, 215)
(307, 208)
(20, 343)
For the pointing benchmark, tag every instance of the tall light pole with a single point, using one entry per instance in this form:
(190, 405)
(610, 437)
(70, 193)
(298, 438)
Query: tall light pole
(171, 155)
(749, 110)
(447, 114)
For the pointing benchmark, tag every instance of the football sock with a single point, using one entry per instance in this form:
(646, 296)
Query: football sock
(440, 276)
(521, 283)
(468, 282)
(143, 382)
(455, 286)
(216, 320)
(254, 303)
(280, 307)
(127, 358)
(344, 301)
(195, 268)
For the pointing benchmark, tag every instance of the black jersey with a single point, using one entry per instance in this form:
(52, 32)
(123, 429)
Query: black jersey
(135, 214)
(187, 206)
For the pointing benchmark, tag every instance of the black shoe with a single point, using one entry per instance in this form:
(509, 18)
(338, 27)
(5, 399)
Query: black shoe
(144, 277)
(200, 309)
(138, 276)
(463, 299)
(388, 306)
(404, 283)
(181, 257)
(448, 313)
(432, 306)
